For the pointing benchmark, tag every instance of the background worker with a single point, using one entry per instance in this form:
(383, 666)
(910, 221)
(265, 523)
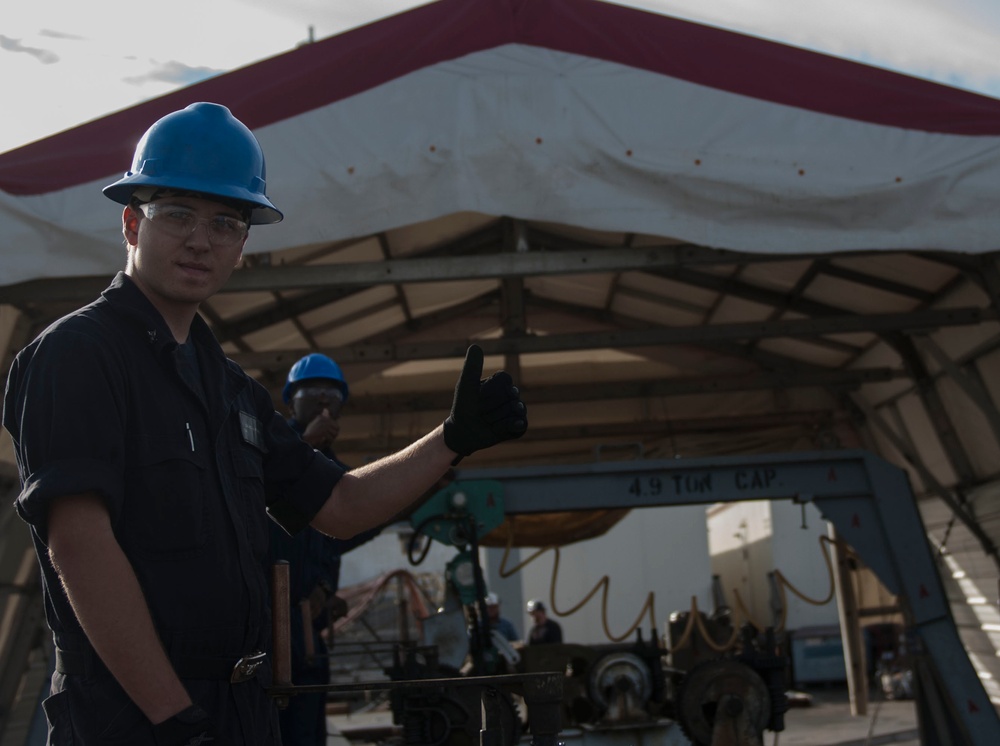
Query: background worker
(544, 630)
(314, 392)
(150, 463)
(500, 623)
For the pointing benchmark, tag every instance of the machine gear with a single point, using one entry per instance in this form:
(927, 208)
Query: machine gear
(724, 703)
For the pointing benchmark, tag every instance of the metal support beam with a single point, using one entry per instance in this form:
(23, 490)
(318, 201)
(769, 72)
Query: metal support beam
(642, 389)
(850, 627)
(383, 243)
(971, 383)
(806, 422)
(930, 397)
(512, 312)
(832, 269)
(930, 481)
(366, 274)
(22, 623)
(633, 338)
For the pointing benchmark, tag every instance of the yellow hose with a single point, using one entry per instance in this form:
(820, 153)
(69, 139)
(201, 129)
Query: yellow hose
(694, 621)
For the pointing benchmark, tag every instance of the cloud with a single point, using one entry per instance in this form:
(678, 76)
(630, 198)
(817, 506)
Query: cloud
(45, 56)
(61, 35)
(950, 41)
(174, 73)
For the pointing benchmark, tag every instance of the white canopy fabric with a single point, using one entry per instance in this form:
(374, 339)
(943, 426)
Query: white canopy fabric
(572, 112)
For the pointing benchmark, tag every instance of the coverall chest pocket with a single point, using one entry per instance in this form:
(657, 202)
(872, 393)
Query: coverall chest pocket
(166, 508)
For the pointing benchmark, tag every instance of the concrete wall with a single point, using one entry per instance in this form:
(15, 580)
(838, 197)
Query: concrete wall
(749, 540)
(797, 553)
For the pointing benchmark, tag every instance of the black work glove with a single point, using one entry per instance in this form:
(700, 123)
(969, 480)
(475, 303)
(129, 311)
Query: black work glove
(483, 413)
(190, 727)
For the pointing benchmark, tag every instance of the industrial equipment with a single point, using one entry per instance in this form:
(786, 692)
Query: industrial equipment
(729, 700)
(724, 702)
(869, 502)
(732, 701)
(604, 686)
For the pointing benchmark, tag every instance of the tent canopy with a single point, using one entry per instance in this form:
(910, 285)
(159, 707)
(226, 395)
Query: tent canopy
(572, 112)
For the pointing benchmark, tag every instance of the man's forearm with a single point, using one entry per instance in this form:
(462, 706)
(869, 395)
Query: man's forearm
(109, 604)
(370, 495)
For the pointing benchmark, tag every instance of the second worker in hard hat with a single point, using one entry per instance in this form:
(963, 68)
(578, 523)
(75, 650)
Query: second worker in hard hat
(315, 392)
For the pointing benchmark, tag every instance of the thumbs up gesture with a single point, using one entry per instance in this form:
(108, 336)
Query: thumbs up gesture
(484, 412)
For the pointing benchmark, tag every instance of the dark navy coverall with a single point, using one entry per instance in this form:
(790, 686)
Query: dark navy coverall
(190, 456)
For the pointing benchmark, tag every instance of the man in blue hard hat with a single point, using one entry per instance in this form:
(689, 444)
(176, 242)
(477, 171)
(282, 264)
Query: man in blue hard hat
(314, 392)
(150, 464)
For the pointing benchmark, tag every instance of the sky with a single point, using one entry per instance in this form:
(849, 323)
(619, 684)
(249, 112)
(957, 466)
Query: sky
(66, 62)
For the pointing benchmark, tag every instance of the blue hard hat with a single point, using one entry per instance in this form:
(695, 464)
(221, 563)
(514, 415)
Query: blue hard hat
(313, 366)
(203, 149)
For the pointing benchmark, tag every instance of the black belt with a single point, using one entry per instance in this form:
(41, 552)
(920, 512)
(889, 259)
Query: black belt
(74, 662)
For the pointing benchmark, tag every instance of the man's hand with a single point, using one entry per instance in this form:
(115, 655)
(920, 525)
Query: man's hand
(483, 412)
(322, 431)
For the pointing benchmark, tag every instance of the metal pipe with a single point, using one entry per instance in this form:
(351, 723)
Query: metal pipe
(281, 670)
(305, 608)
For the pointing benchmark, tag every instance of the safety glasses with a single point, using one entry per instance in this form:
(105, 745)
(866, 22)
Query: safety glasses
(179, 221)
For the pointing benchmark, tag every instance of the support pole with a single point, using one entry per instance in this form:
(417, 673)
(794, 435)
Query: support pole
(850, 627)
(281, 669)
(305, 610)
(402, 610)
